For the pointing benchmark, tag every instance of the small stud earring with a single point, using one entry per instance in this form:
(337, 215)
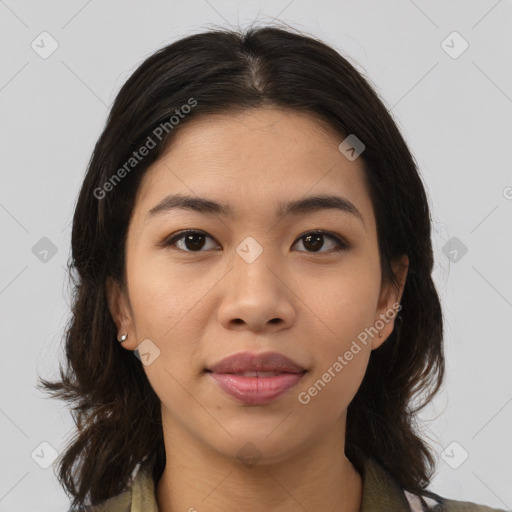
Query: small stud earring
(123, 338)
(380, 334)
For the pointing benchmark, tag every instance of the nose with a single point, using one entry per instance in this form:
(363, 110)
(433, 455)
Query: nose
(257, 297)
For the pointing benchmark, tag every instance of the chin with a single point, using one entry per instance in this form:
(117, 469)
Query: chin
(259, 449)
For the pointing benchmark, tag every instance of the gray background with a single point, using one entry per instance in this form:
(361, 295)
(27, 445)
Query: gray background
(454, 110)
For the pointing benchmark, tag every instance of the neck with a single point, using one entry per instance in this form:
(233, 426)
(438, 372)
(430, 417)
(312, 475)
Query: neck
(318, 478)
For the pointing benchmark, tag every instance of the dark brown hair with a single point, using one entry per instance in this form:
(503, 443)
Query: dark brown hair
(116, 411)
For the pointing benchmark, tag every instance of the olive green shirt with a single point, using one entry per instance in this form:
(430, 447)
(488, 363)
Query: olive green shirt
(381, 493)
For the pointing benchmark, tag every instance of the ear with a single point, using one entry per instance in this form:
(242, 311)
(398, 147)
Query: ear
(389, 302)
(121, 312)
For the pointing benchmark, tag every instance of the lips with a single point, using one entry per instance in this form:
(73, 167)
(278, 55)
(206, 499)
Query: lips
(256, 379)
(256, 364)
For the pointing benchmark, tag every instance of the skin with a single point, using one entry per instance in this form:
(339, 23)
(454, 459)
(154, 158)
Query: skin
(199, 307)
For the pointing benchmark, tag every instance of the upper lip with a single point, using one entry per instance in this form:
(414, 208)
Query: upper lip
(263, 362)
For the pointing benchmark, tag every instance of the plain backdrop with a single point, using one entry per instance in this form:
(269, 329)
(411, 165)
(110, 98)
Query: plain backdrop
(444, 69)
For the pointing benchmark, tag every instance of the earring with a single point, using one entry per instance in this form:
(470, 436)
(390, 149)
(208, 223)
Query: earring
(123, 338)
(380, 334)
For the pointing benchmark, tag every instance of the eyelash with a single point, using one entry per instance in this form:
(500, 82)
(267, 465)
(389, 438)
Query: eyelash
(341, 245)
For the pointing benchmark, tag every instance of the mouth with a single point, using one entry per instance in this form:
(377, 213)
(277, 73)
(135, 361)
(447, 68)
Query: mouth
(256, 379)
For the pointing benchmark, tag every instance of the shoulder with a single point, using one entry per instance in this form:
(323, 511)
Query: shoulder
(119, 503)
(431, 502)
(465, 506)
(380, 486)
(137, 497)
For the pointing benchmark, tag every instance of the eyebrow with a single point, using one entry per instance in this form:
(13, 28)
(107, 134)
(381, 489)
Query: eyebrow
(298, 207)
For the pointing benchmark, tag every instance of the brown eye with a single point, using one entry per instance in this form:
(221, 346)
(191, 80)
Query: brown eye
(190, 240)
(315, 240)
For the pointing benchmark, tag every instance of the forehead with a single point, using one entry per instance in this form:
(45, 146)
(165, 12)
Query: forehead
(254, 159)
(260, 134)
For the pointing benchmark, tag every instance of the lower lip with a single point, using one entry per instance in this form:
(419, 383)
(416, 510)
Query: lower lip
(255, 390)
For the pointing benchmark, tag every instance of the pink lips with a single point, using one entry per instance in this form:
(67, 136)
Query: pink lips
(275, 375)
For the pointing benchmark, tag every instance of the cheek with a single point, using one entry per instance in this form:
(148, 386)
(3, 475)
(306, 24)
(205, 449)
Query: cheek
(341, 309)
(162, 298)
(345, 300)
(166, 310)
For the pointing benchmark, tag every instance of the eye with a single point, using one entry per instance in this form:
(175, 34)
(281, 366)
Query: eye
(193, 240)
(314, 240)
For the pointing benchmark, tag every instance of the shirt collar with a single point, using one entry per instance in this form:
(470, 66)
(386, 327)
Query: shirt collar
(380, 490)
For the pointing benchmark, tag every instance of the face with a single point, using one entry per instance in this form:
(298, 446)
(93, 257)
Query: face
(305, 283)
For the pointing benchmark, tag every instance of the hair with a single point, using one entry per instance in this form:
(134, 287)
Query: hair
(221, 71)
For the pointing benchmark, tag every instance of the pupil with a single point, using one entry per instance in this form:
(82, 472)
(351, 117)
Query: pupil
(315, 241)
(192, 243)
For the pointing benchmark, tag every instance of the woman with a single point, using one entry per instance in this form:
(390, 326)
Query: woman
(254, 309)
